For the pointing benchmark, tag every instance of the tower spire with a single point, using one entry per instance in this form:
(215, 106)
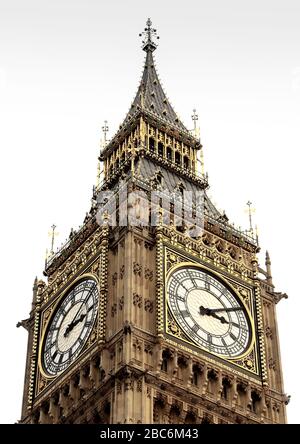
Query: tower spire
(149, 34)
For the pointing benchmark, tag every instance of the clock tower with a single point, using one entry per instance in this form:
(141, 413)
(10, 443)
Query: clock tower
(156, 310)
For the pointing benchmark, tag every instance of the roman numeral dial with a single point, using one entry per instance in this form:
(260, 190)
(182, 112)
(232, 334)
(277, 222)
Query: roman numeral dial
(209, 312)
(70, 326)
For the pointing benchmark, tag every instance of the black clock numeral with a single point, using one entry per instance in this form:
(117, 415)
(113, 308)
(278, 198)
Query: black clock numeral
(195, 328)
(232, 336)
(50, 346)
(63, 313)
(181, 298)
(185, 314)
(235, 324)
(54, 355)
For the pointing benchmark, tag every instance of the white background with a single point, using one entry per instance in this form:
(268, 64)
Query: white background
(65, 66)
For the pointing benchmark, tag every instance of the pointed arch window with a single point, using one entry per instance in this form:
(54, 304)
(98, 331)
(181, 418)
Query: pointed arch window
(177, 158)
(160, 149)
(169, 153)
(151, 144)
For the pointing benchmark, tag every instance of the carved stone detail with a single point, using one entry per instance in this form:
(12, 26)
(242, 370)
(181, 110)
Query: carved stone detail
(148, 305)
(121, 303)
(137, 300)
(148, 274)
(137, 269)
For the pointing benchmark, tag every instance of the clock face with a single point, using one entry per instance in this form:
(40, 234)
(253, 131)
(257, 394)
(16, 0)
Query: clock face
(208, 312)
(70, 327)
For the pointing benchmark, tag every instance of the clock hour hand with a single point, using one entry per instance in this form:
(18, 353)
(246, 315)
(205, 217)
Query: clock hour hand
(73, 324)
(210, 312)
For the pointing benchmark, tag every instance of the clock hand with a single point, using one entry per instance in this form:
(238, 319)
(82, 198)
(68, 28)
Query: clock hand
(216, 310)
(220, 318)
(210, 312)
(73, 324)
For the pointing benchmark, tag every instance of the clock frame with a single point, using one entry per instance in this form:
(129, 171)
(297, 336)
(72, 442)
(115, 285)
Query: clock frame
(228, 334)
(54, 310)
(245, 291)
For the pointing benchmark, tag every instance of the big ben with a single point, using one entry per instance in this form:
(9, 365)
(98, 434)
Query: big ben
(142, 318)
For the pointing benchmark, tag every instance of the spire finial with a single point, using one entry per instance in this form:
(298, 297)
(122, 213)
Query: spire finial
(194, 119)
(268, 268)
(105, 130)
(250, 211)
(52, 234)
(149, 34)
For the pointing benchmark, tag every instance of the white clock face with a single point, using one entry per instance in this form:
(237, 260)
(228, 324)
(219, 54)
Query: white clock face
(70, 326)
(208, 312)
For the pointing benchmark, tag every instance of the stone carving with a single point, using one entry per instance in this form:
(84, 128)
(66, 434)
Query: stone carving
(137, 269)
(121, 303)
(148, 305)
(137, 300)
(148, 274)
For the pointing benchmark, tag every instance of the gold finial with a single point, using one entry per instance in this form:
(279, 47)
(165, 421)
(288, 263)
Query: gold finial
(250, 212)
(195, 119)
(149, 34)
(105, 130)
(52, 233)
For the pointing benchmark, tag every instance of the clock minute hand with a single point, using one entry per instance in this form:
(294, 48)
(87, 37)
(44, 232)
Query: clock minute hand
(217, 310)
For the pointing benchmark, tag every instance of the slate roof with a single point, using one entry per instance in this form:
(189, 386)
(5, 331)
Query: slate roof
(151, 97)
(170, 182)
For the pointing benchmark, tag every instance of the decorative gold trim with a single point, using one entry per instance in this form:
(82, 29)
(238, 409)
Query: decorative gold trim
(56, 304)
(35, 337)
(226, 283)
(260, 333)
(159, 281)
(174, 257)
(103, 285)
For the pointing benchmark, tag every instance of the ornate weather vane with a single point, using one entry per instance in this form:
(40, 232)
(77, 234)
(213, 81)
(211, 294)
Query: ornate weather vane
(149, 35)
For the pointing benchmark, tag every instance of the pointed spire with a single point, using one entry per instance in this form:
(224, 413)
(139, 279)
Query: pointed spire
(34, 292)
(150, 97)
(149, 35)
(268, 268)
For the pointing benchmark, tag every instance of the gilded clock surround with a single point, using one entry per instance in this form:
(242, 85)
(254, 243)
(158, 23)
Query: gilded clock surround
(136, 366)
(47, 318)
(247, 360)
